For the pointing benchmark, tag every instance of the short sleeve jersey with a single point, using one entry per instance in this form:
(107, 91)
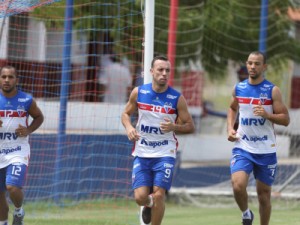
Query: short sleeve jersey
(153, 108)
(14, 112)
(256, 134)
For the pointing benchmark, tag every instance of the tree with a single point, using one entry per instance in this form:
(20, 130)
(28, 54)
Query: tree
(227, 30)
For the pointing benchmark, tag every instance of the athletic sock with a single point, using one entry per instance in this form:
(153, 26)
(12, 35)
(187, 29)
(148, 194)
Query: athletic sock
(246, 214)
(19, 210)
(150, 198)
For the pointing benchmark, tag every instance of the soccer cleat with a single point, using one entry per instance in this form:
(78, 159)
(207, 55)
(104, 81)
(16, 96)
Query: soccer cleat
(146, 215)
(18, 218)
(249, 221)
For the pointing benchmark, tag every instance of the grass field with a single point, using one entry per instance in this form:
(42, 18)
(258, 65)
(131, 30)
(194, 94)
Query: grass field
(285, 212)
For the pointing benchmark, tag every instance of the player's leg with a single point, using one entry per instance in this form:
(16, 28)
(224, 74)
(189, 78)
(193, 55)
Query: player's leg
(265, 172)
(145, 200)
(264, 199)
(15, 179)
(4, 208)
(163, 170)
(141, 195)
(142, 182)
(158, 209)
(241, 167)
(239, 182)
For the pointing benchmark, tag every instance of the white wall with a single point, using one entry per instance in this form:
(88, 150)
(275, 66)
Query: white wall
(83, 117)
(36, 41)
(215, 147)
(103, 118)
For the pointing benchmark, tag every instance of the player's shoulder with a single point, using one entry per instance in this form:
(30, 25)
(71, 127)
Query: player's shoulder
(22, 94)
(241, 85)
(145, 88)
(173, 91)
(267, 83)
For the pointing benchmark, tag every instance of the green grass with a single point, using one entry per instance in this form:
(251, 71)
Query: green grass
(109, 212)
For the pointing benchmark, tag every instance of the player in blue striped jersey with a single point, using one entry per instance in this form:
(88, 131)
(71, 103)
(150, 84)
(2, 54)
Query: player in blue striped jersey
(15, 108)
(159, 108)
(260, 105)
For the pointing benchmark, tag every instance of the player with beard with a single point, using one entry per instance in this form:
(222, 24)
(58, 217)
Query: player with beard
(260, 105)
(159, 107)
(15, 108)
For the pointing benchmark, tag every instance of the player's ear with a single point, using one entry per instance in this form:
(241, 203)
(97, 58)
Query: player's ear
(265, 67)
(151, 70)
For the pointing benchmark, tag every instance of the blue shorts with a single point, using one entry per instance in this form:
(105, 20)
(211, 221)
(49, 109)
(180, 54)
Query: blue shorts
(263, 166)
(14, 175)
(151, 172)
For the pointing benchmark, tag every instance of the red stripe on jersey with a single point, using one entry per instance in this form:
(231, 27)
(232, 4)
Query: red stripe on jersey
(9, 113)
(156, 108)
(254, 101)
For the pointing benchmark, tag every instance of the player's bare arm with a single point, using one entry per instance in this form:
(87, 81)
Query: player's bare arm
(38, 119)
(186, 124)
(231, 117)
(130, 108)
(280, 113)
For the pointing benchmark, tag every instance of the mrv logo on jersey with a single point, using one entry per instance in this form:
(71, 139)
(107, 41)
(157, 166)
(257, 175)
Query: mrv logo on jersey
(154, 143)
(151, 130)
(253, 121)
(8, 136)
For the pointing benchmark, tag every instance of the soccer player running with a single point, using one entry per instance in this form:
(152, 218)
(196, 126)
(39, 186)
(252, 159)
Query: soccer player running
(159, 106)
(15, 108)
(260, 105)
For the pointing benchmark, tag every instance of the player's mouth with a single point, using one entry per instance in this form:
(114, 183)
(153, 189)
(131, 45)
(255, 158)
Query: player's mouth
(5, 86)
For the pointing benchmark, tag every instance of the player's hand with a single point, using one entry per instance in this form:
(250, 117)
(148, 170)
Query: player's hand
(232, 136)
(1, 122)
(132, 134)
(22, 131)
(258, 110)
(167, 126)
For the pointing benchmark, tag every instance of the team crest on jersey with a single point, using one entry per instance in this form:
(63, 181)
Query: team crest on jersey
(167, 106)
(263, 97)
(20, 110)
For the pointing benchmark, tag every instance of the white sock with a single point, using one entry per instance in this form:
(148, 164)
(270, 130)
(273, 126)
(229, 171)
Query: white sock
(150, 204)
(4, 222)
(246, 214)
(19, 211)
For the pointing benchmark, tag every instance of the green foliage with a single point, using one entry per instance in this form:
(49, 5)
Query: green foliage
(232, 32)
(224, 30)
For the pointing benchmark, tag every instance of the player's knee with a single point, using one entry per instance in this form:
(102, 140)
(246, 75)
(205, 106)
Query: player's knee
(264, 199)
(141, 200)
(12, 189)
(158, 198)
(238, 187)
